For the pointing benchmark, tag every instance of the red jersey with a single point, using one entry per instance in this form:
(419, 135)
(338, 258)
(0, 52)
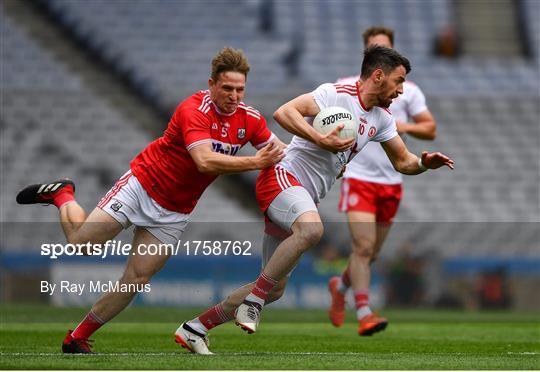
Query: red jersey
(165, 168)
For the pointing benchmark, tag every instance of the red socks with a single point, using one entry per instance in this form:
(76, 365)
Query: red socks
(263, 286)
(88, 326)
(64, 196)
(215, 316)
(361, 298)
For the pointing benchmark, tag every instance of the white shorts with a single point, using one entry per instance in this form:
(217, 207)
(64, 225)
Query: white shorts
(290, 204)
(129, 204)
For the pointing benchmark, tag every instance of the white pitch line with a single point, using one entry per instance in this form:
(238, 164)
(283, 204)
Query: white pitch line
(178, 354)
(247, 353)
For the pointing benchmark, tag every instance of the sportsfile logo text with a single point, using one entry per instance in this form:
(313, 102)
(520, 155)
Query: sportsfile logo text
(117, 248)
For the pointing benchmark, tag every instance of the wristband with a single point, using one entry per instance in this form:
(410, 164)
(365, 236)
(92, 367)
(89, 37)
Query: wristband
(422, 167)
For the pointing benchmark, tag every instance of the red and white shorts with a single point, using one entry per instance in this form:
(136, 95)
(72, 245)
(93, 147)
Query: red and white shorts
(129, 204)
(376, 198)
(282, 199)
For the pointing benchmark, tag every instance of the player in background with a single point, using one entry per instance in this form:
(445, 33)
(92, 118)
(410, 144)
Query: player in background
(370, 195)
(164, 183)
(289, 191)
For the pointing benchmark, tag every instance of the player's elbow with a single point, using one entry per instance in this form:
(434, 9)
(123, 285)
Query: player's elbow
(283, 114)
(279, 114)
(432, 134)
(205, 167)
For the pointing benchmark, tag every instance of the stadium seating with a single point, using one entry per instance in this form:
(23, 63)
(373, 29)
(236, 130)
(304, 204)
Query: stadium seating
(166, 48)
(55, 126)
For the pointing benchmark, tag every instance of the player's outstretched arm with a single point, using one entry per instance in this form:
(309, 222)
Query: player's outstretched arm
(407, 163)
(291, 117)
(210, 162)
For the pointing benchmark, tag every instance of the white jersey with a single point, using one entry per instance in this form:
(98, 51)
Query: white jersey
(315, 168)
(372, 164)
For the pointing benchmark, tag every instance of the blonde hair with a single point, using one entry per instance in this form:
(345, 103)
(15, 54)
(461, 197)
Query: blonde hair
(229, 59)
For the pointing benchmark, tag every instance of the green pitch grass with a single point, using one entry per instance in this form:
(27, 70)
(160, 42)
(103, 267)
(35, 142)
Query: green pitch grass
(141, 338)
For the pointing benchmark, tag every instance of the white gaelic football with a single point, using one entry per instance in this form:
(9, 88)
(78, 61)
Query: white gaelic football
(329, 118)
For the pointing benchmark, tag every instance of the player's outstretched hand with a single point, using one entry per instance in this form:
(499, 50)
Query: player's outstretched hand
(436, 160)
(333, 143)
(269, 155)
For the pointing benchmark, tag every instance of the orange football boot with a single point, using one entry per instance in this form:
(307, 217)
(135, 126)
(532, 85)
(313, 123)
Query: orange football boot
(371, 324)
(336, 313)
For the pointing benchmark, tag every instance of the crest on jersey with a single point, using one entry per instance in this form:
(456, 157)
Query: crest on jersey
(214, 126)
(241, 132)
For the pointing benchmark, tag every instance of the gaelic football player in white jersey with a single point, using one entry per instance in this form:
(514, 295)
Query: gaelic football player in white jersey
(370, 195)
(289, 191)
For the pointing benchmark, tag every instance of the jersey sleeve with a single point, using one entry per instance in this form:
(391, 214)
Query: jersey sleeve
(388, 129)
(195, 127)
(417, 104)
(262, 135)
(325, 95)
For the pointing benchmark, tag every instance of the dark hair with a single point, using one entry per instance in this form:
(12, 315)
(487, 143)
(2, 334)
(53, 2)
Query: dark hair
(378, 30)
(229, 59)
(386, 59)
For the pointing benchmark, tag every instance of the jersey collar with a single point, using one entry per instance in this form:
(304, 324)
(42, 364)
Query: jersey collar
(360, 98)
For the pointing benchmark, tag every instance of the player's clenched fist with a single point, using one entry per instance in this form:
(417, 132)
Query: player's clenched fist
(333, 143)
(269, 155)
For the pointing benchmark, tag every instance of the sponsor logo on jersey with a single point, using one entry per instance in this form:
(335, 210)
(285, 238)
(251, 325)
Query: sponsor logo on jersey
(372, 131)
(335, 117)
(225, 148)
(116, 206)
(241, 132)
(362, 120)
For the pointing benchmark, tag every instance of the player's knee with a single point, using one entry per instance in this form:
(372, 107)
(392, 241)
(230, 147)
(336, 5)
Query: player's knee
(362, 254)
(363, 246)
(310, 233)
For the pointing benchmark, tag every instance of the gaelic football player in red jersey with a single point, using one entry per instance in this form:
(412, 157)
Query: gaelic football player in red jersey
(164, 183)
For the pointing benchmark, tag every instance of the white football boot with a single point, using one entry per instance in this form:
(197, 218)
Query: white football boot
(248, 315)
(192, 340)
